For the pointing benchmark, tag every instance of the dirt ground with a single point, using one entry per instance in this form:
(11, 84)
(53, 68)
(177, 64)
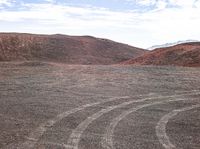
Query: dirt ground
(55, 106)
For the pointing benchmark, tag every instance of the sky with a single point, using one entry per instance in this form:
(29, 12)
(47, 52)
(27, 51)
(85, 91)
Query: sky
(140, 23)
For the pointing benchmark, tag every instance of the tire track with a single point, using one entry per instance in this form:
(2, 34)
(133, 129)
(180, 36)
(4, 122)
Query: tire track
(34, 137)
(75, 136)
(76, 133)
(161, 126)
(107, 140)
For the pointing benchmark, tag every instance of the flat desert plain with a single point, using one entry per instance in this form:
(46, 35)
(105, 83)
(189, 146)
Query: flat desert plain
(57, 106)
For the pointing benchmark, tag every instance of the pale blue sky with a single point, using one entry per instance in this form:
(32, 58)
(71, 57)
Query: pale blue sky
(140, 23)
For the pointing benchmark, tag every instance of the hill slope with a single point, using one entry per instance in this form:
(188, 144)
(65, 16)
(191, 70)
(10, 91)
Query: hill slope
(187, 54)
(63, 48)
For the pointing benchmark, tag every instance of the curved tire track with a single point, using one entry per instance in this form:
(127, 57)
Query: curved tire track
(34, 136)
(77, 132)
(161, 126)
(107, 140)
(74, 138)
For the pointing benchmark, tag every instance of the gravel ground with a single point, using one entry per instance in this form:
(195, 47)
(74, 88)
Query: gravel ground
(56, 106)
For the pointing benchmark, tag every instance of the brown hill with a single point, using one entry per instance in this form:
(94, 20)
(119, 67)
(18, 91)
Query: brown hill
(187, 54)
(64, 49)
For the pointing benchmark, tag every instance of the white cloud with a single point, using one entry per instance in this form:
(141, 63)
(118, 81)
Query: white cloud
(52, 13)
(182, 3)
(6, 2)
(161, 4)
(139, 29)
(50, 1)
(197, 4)
(146, 2)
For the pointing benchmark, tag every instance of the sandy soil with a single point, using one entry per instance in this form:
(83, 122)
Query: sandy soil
(55, 106)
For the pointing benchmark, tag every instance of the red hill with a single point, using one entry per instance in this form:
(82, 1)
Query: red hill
(64, 49)
(187, 54)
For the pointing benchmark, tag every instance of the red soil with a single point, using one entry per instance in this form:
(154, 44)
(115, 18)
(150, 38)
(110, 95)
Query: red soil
(187, 54)
(64, 49)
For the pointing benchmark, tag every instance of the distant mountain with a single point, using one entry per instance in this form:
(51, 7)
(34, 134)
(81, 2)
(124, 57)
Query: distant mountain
(171, 44)
(64, 49)
(186, 54)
